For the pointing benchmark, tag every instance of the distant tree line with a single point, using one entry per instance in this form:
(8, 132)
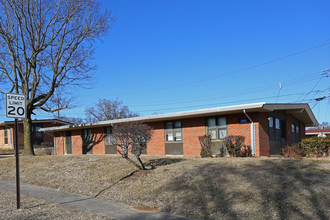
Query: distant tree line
(323, 125)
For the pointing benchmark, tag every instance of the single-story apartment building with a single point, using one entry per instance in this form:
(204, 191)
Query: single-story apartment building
(318, 133)
(267, 128)
(40, 139)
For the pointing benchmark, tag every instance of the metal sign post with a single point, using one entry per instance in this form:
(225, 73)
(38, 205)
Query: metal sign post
(16, 108)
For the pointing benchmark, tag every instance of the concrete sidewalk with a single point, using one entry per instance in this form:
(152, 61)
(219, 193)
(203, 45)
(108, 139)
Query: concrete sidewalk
(88, 204)
(2, 156)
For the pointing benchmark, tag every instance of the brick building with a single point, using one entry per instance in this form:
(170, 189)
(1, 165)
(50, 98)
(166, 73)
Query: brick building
(267, 128)
(318, 133)
(40, 139)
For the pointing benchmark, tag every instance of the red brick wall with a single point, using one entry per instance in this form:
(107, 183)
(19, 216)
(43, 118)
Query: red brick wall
(262, 138)
(20, 135)
(98, 141)
(2, 136)
(48, 137)
(302, 130)
(260, 131)
(59, 140)
(234, 128)
(156, 146)
(288, 129)
(76, 141)
(191, 129)
(10, 134)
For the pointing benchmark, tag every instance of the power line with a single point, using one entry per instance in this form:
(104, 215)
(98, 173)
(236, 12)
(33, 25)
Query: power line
(231, 72)
(238, 93)
(210, 104)
(322, 75)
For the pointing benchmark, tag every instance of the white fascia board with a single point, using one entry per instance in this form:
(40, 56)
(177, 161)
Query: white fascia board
(262, 106)
(36, 121)
(315, 133)
(176, 115)
(293, 106)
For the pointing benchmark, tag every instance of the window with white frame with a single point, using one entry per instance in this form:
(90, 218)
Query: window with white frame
(277, 123)
(109, 138)
(217, 127)
(295, 128)
(271, 122)
(173, 131)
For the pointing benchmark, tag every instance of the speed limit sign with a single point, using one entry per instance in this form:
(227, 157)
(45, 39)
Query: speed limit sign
(15, 105)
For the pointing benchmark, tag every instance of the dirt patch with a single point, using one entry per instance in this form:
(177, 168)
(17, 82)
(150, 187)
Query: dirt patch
(9, 151)
(139, 174)
(145, 208)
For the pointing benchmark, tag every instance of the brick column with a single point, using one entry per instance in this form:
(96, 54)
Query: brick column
(288, 129)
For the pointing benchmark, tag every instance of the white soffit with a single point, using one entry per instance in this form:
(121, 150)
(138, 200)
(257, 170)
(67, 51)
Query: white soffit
(308, 118)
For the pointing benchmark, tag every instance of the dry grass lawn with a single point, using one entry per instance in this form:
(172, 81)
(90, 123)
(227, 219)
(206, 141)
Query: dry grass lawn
(38, 209)
(214, 188)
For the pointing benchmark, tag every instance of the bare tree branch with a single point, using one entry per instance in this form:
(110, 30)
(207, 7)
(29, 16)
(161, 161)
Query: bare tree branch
(107, 110)
(47, 45)
(132, 137)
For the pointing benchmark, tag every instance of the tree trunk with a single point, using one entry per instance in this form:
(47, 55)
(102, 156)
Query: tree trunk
(142, 164)
(28, 144)
(132, 162)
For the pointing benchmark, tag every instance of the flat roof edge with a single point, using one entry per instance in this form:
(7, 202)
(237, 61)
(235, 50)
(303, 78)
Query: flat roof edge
(191, 113)
(261, 106)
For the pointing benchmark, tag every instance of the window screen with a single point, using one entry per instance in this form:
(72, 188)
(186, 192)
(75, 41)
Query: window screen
(217, 127)
(173, 131)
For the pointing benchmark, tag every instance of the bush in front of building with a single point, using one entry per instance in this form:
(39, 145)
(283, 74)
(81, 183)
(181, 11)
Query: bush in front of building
(246, 151)
(315, 146)
(205, 142)
(293, 152)
(236, 147)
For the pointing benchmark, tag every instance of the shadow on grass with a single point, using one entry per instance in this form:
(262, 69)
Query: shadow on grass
(154, 163)
(269, 189)
(118, 181)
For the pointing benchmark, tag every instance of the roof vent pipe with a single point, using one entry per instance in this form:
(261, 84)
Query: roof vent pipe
(252, 132)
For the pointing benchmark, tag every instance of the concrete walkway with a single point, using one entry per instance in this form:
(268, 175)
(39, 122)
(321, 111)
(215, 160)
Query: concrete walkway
(88, 204)
(2, 156)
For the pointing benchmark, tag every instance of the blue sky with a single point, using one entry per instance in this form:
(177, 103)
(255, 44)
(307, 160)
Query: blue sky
(174, 55)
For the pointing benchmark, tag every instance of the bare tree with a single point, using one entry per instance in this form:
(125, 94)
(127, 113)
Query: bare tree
(132, 137)
(73, 120)
(140, 135)
(60, 100)
(46, 46)
(107, 109)
(323, 125)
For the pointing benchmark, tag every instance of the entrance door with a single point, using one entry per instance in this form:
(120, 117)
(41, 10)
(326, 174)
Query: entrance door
(276, 133)
(68, 142)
